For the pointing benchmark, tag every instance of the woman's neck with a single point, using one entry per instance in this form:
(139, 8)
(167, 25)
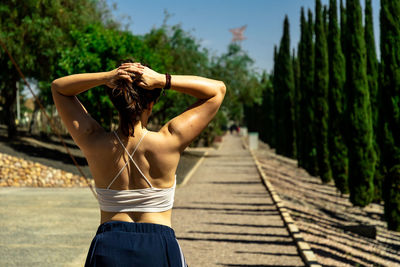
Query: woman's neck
(139, 127)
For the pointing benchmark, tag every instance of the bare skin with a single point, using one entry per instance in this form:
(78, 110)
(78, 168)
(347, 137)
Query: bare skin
(159, 152)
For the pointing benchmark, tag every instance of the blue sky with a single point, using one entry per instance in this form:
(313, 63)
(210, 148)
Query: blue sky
(210, 21)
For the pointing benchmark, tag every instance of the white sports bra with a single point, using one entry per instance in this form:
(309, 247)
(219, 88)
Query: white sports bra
(136, 200)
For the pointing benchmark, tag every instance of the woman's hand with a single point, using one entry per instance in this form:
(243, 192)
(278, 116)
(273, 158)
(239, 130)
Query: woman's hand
(144, 76)
(122, 72)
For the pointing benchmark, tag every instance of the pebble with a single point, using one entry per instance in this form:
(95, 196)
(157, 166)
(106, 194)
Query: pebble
(17, 172)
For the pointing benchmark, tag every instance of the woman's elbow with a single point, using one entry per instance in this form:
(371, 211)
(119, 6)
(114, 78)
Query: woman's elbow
(54, 85)
(222, 88)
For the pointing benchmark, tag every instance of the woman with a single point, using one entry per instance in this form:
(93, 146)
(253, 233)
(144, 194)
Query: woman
(133, 168)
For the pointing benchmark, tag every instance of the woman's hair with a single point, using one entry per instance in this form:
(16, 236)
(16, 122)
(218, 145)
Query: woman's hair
(131, 100)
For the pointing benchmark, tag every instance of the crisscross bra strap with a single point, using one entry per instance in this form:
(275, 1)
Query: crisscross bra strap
(130, 156)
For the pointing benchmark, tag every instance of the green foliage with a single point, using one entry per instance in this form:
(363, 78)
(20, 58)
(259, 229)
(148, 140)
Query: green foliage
(343, 26)
(259, 117)
(372, 74)
(35, 32)
(296, 100)
(321, 79)
(337, 147)
(284, 97)
(392, 198)
(268, 133)
(98, 49)
(362, 157)
(307, 155)
(389, 117)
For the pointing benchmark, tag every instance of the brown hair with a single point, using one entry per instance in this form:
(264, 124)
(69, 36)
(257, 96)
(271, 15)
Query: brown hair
(131, 100)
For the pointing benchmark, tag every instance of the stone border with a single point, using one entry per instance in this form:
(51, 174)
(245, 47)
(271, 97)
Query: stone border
(303, 247)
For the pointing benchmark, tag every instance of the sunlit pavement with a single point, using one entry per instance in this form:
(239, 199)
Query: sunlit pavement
(225, 217)
(46, 227)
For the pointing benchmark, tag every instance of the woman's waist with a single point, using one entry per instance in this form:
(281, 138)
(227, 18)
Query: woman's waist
(113, 227)
(163, 218)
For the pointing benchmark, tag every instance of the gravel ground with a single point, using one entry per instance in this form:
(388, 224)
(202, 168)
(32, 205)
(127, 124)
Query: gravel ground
(321, 214)
(225, 217)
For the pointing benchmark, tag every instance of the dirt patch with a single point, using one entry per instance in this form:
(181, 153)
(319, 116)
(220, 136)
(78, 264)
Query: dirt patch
(325, 218)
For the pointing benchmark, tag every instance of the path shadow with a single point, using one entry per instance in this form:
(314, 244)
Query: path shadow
(242, 241)
(272, 213)
(267, 253)
(235, 204)
(42, 152)
(237, 183)
(224, 209)
(45, 139)
(247, 225)
(251, 265)
(241, 234)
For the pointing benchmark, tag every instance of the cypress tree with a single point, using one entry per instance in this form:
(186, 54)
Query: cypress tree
(362, 156)
(268, 102)
(325, 19)
(273, 91)
(343, 27)
(277, 105)
(321, 80)
(390, 97)
(302, 109)
(337, 147)
(285, 97)
(307, 89)
(297, 96)
(372, 74)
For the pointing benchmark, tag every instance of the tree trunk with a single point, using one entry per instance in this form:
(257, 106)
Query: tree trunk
(32, 122)
(10, 95)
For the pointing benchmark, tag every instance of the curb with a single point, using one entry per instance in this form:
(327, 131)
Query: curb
(303, 247)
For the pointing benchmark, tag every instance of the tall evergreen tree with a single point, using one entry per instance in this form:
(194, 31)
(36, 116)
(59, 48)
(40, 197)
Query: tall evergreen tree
(301, 134)
(325, 19)
(308, 100)
(273, 90)
(321, 80)
(268, 109)
(390, 116)
(297, 96)
(275, 83)
(285, 138)
(343, 26)
(372, 73)
(337, 147)
(362, 156)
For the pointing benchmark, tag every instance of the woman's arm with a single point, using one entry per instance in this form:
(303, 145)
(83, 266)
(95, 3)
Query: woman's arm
(78, 121)
(75, 84)
(182, 129)
(188, 125)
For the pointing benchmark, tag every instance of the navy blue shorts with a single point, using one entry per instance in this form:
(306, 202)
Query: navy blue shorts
(135, 244)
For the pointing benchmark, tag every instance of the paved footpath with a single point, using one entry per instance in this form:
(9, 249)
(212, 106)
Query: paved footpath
(225, 217)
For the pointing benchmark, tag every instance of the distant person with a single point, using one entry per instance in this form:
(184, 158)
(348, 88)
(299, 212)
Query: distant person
(235, 128)
(133, 168)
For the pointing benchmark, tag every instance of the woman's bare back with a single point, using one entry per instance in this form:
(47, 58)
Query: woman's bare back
(156, 160)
